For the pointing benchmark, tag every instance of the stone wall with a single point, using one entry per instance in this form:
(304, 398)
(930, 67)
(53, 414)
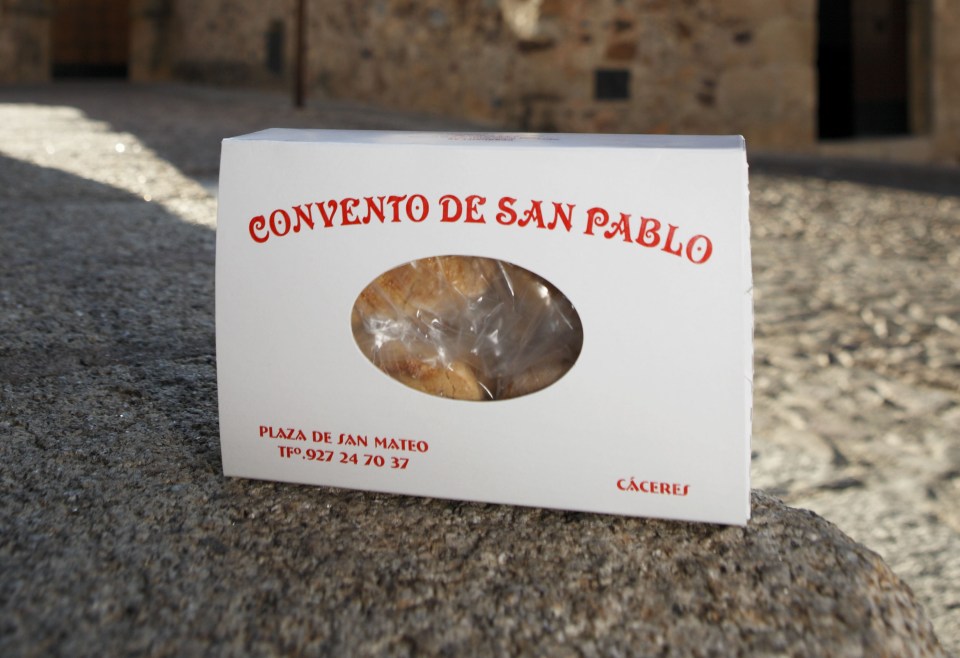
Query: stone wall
(680, 66)
(228, 40)
(696, 66)
(150, 40)
(946, 79)
(24, 41)
(219, 41)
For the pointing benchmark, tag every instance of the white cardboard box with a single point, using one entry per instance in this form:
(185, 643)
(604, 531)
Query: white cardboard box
(652, 420)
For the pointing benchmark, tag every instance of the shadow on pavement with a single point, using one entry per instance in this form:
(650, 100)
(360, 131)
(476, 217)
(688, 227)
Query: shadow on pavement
(93, 275)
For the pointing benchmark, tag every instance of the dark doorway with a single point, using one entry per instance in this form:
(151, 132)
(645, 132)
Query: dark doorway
(862, 64)
(91, 38)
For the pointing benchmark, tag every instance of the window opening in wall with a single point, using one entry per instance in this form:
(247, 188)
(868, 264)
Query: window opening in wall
(864, 65)
(90, 38)
(612, 84)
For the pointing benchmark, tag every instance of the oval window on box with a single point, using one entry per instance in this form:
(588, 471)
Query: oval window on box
(467, 328)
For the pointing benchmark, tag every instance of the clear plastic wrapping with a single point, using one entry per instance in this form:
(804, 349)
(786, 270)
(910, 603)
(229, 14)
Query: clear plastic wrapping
(467, 328)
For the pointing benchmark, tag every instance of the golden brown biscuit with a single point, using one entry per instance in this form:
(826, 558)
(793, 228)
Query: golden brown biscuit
(454, 380)
(532, 380)
(419, 366)
(467, 328)
(432, 285)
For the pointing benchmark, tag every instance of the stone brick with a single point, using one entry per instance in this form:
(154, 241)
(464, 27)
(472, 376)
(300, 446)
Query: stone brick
(621, 51)
(785, 40)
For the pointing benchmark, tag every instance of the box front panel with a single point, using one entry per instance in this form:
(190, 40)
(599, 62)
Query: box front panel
(649, 244)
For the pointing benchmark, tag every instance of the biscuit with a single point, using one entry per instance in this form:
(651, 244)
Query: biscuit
(435, 286)
(467, 328)
(428, 374)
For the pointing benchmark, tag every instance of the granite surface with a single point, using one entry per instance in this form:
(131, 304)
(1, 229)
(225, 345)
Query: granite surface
(120, 536)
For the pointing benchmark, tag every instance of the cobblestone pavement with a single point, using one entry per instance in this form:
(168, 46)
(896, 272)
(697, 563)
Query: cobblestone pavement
(857, 383)
(857, 288)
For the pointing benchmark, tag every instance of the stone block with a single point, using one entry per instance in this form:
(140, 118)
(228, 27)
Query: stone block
(785, 41)
(621, 51)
